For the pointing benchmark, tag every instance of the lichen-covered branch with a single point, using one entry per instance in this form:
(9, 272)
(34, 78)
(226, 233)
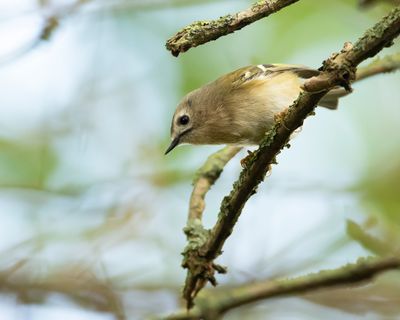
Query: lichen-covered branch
(201, 32)
(194, 230)
(389, 63)
(339, 69)
(212, 305)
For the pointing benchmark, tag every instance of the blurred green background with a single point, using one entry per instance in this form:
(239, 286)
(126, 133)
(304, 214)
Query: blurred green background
(92, 211)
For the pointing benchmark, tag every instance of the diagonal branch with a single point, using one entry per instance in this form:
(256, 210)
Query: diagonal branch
(216, 304)
(201, 32)
(339, 69)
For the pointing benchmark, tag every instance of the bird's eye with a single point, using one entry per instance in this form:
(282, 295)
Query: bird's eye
(184, 120)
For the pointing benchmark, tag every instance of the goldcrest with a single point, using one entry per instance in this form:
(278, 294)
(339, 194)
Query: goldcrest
(239, 107)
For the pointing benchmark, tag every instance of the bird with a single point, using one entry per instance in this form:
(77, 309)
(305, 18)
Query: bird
(239, 107)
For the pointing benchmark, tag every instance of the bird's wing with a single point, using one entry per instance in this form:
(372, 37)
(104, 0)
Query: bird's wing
(262, 73)
(265, 71)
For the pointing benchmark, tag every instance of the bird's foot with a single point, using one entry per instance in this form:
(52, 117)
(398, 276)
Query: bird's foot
(245, 161)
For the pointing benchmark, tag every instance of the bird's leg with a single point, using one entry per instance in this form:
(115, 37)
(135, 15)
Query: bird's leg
(245, 161)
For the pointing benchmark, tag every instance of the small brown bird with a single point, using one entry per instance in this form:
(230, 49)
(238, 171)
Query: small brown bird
(239, 107)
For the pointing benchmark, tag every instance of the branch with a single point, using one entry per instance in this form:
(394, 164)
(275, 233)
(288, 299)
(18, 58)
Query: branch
(221, 301)
(75, 281)
(50, 24)
(369, 241)
(367, 3)
(386, 64)
(201, 32)
(194, 230)
(206, 177)
(339, 69)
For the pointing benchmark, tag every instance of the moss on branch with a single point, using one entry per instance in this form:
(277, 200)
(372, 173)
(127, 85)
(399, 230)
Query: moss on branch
(193, 258)
(201, 32)
(212, 305)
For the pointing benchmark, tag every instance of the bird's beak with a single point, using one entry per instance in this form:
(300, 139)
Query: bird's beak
(173, 144)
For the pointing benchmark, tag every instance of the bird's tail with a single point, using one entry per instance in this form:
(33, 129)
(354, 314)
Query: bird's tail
(331, 99)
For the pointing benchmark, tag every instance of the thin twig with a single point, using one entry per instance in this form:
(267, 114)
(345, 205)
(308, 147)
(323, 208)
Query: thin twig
(339, 69)
(206, 177)
(50, 24)
(386, 64)
(213, 305)
(74, 281)
(367, 3)
(201, 32)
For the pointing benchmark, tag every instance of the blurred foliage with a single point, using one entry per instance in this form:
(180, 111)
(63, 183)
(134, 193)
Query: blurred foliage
(169, 170)
(77, 282)
(379, 191)
(26, 164)
(379, 195)
(380, 297)
(377, 246)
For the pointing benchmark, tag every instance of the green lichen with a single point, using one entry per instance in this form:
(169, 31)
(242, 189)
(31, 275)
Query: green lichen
(370, 43)
(200, 32)
(197, 235)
